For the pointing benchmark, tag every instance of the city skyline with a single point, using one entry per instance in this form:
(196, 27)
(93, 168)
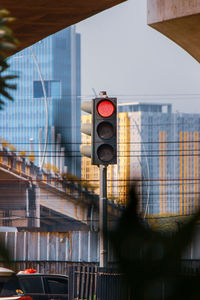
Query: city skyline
(158, 148)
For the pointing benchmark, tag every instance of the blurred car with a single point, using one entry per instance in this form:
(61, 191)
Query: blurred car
(43, 286)
(10, 286)
(30, 285)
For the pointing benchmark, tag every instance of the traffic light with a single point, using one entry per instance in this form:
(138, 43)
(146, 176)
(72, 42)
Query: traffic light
(103, 131)
(86, 128)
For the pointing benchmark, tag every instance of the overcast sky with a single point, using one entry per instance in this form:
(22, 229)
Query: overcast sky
(124, 56)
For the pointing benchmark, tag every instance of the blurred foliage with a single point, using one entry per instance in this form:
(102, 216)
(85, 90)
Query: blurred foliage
(31, 157)
(151, 259)
(22, 153)
(7, 44)
(84, 183)
(48, 167)
(167, 222)
(6, 144)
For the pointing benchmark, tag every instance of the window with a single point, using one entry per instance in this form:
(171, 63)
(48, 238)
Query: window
(8, 286)
(32, 285)
(57, 285)
(52, 87)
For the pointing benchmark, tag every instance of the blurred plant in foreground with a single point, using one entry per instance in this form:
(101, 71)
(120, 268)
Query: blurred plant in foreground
(151, 259)
(7, 44)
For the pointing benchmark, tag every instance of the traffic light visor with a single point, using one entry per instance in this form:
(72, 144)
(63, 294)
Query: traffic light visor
(105, 108)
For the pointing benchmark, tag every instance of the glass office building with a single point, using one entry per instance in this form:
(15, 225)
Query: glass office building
(47, 99)
(161, 149)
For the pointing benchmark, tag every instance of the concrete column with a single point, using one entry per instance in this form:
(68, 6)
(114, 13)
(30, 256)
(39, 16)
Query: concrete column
(53, 152)
(31, 201)
(37, 204)
(62, 160)
(46, 160)
(58, 143)
(40, 146)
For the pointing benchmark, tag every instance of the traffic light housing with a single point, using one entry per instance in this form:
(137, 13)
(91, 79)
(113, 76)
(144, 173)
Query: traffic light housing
(86, 128)
(103, 131)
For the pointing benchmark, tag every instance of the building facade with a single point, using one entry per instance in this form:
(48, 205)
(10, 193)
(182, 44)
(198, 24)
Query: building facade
(161, 150)
(46, 107)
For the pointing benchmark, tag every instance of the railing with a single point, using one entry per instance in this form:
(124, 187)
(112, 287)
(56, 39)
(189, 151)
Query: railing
(90, 282)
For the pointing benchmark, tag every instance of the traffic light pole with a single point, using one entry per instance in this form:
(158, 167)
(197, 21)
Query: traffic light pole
(103, 216)
(103, 152)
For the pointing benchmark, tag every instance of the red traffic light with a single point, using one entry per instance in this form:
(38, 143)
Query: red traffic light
(105, 108)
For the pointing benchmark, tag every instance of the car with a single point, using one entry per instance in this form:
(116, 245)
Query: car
(43, 286)
(30, 285)
(10, 286)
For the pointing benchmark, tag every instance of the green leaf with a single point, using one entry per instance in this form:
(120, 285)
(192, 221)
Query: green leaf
(7, 43)
(4, 13)
(5, 46)
(3, 21)
(11, 86)
(2, 33)
(6, 94)
(1, 102)
(7, 77)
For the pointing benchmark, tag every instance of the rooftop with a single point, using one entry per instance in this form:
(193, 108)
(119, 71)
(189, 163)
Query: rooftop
(145, 107)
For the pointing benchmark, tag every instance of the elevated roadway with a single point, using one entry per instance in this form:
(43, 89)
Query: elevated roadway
(179, 20)
(33, 198)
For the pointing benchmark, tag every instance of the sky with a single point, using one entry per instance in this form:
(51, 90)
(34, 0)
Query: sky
(121, 54)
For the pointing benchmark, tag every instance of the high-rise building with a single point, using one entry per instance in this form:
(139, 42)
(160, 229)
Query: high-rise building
(47, 100)
(163, 153)
(161, 150)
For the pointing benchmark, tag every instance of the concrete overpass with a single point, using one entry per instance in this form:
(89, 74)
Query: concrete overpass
(179, 20)
(38, 19)
(31, 198)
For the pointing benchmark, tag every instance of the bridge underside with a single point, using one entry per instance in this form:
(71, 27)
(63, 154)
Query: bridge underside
(179, 21)
(52, 221)
(38, 19)
(20, 206)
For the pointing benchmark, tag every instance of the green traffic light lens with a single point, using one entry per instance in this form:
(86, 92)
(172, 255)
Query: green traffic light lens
(105, 130)
(105, 153)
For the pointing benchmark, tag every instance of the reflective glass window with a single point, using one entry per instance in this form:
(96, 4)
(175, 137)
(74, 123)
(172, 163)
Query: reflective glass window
(52, 88)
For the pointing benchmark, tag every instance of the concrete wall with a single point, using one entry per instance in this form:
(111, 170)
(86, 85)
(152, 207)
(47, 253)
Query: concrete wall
(75, 246)
(72, 246)
(161, 10)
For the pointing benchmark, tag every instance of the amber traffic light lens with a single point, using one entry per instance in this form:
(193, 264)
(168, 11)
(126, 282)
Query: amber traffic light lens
(105, 153)
(105, 108)
(105, 130)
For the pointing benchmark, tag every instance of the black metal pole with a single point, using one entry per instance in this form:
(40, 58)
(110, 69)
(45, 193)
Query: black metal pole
(103, 216)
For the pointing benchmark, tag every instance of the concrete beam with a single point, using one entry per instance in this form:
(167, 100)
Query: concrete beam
(179, 20)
